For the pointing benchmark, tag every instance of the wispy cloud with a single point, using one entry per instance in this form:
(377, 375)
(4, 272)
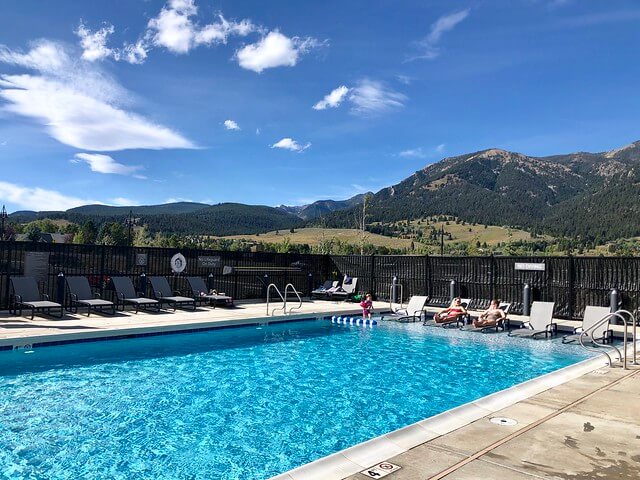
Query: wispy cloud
(36, 198)
(332, 99)
(275, 50)
(404, 79)
(558, 3)
(100, 163)
(77, 103)
(419, 152)
(588, 20)
(291, 144)
(231, 125)
(371, 97)
(124, 202)
(428, 48)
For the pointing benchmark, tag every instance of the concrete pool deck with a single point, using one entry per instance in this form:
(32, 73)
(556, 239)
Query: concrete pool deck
(586, 428)
(21, 331)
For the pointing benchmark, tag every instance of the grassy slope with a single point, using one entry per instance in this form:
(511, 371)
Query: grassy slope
(312, 236)
(472, 233)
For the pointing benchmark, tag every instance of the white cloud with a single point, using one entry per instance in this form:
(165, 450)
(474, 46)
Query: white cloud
(36, 198)
(333, 99)
(135, 53)
(257, 131)
(94, 44)
(105, 164)
(371, 97)
(291, 144)
(274, 50)
(414, 153)
(231, 125)
(419, 152)
(77, 103)
(428, 46)
(124, 202)
(404, 79)
(44, 56)
(174, 28)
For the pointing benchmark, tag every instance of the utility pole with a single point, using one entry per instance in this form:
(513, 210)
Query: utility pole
(442, 240)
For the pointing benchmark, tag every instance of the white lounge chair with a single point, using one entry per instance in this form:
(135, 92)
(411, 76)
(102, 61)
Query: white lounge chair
(592, 315)
(502, 323)
(540, 322)
(413, 312)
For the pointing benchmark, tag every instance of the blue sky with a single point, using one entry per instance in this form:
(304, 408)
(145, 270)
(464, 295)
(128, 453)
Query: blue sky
(144, 102)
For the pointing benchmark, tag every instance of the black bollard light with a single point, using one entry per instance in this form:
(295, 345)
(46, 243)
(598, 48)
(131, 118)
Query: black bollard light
(526, 300)
(453, 287)
(60, 288)
(142, 285)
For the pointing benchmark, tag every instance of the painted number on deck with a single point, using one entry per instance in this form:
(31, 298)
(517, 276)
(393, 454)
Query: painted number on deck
(380, 470)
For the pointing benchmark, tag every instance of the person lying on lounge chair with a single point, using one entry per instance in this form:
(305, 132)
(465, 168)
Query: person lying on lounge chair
(491, 316)
(451, 313)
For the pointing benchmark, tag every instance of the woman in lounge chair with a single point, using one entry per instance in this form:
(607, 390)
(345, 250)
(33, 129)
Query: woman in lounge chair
(451, 313)
(491, 316)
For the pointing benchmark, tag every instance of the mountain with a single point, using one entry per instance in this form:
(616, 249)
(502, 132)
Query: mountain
(223, 219)
(594, 196)
(323, 207)
(165, 208)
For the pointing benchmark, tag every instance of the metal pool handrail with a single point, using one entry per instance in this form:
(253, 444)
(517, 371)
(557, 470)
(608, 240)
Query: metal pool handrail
(621, 315)
(589, 330)
(284, 300)
(286, 291)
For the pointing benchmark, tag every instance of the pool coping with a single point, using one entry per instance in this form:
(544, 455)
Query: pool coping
(138, 331)
(352, 460)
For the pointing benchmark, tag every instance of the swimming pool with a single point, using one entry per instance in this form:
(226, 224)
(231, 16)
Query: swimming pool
(247, 402)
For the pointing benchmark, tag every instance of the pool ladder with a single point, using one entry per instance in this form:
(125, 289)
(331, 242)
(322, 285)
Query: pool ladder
(287, 288)
(626, 317)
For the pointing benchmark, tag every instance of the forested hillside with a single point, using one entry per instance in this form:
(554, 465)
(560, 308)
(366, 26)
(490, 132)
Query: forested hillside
(593, 197)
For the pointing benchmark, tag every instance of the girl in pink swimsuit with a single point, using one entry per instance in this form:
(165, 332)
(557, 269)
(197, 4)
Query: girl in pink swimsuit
(367, 306)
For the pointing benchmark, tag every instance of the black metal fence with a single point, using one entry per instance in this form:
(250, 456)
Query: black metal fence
(571, 282)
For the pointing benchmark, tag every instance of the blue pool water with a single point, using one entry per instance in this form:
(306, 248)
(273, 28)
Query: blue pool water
(241, 403)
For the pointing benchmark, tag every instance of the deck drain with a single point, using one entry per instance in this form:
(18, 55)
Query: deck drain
(503, 421)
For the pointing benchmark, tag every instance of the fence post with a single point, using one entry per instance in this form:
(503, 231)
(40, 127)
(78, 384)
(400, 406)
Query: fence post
(492, 277)
(372, 276)
(571, 275)
(429, 291)
(102, 272)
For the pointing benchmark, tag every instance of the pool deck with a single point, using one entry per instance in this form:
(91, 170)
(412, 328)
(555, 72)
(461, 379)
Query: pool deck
(586, 428)
(18, 332)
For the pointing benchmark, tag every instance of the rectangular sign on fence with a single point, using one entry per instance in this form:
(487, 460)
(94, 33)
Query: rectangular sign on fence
(209, 262)
(141, 259)
(36, 264)
(538, 267)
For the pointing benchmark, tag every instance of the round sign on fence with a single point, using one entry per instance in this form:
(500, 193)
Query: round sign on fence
(178, 263)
